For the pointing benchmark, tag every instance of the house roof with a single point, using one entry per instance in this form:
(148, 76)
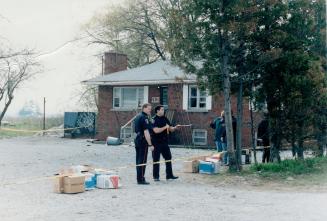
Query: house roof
(159, 72)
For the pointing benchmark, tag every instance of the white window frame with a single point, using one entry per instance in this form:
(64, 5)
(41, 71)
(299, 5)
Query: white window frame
(198, 97)
(252, 104)
(117, 94)
(205, 136)
(186, 100)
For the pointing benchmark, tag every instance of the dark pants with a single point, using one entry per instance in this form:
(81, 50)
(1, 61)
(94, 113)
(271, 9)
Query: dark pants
(266, 155)
(141, 148)
(161, 148)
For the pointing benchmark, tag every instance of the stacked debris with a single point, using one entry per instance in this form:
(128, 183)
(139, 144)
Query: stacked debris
(77, 179)
(207, 164)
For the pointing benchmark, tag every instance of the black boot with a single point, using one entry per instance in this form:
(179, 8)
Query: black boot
(143, 182)
(172, 177)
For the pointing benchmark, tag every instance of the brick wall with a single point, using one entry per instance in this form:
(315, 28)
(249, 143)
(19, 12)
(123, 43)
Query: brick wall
(110, 121)
(201, 120)
(114, 62)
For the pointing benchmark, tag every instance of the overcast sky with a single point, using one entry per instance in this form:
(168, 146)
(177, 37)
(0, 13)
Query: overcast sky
(46, 25)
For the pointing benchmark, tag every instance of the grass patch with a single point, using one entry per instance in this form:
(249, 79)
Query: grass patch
(307, 175)
(29, 123)
(292, 167)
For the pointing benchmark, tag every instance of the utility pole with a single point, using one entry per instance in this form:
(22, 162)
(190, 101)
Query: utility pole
(43, 115)
(102, 60)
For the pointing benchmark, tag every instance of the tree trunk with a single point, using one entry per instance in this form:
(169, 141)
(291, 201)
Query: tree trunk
(321, 138)
(294, 149)
(300, 150)
(275, 147)
(158, 49)
(276, 134)
(153, 36)
(227, 109)
(7, 104)
(300, 142)
(254, 143)
(319, 141)
(239, 126)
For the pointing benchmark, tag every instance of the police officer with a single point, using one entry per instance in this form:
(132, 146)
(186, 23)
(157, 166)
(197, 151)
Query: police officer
(263, 136)
(142, 141)
(161, 129)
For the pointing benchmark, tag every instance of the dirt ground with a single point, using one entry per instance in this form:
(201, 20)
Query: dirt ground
(192, 197)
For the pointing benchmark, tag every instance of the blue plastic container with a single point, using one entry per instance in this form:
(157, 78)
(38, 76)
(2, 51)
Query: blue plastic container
(90, 181)
(206, 167)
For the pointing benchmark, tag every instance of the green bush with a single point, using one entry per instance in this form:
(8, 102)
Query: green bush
(296, 167)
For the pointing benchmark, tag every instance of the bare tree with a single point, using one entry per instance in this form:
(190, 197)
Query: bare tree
(16, 67)
(139, 29)
(88, 98)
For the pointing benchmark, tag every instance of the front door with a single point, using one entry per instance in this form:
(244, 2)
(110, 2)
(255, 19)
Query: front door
(164, 96)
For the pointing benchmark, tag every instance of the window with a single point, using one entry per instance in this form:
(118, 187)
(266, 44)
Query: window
(199, 137)
(257, 106)
(128, 97)
(254, 103)
(197, 98)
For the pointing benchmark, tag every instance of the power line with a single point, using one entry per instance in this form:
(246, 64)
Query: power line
(60, 47)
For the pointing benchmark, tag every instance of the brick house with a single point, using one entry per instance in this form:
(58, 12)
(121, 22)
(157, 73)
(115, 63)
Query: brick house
(122, 91)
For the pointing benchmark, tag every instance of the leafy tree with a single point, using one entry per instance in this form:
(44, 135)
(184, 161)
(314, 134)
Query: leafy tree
(278, 47)
(213, 43)
(285, 45)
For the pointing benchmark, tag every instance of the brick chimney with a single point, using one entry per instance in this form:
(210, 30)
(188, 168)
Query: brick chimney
(114, 62)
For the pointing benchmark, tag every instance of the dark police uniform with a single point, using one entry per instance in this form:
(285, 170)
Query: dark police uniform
(160, 143)
(263, 133)
(141, 123)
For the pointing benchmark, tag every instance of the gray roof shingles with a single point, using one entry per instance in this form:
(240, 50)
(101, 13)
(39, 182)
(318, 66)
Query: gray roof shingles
(159, 72)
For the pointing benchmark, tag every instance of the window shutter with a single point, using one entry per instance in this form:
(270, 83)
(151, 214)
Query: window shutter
(146, 94)
(185, 96)
(209, 102)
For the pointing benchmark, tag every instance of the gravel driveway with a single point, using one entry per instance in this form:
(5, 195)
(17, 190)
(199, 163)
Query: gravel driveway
(188, 198)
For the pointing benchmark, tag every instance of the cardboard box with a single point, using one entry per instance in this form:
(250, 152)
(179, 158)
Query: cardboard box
(108, 181)
(209, 167)
(58, 186)
(211, 159)
(98, 172)
(66, 171)
(78, 169)
(203, 157)
(74, 184)
(191, 166)
(69, 170)
(217, 156)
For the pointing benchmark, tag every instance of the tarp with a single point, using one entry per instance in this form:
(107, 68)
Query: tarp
(82, 122)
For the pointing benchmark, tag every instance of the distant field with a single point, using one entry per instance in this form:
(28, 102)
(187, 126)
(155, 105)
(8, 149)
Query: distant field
(28, 123)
